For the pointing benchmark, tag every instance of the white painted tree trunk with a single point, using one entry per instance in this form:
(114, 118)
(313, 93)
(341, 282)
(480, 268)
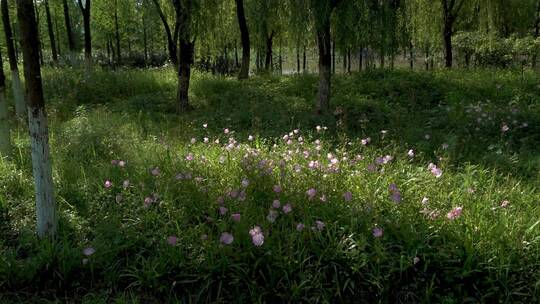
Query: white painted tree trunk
(18, 95)
(5, 135)
(42, 169)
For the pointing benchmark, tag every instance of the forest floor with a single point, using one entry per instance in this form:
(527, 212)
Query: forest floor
(419, 187)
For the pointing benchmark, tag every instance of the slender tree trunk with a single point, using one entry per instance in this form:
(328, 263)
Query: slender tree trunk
(297, 59)
(536, 32)
(304, 60)
(411, 55)
(145, 41)
(333, 57)
(41, 61)
(85, 9)
(51, 32)
(360, 57)
(325, 66)
(117, 33)
(37, 122)
(244, 36)
(236, 61)
(344, 62)
(57, 35)
(18, 94)
(349, 60)
(268, 60)
(71, 40)
(171, 40)
(280, 59)
(5, 135)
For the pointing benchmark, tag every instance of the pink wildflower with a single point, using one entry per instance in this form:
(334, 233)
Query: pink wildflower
(226, 238)
(454, 213)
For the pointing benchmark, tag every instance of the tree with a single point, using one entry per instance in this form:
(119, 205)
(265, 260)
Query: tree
(5, 137)
(450, 12)
(51, 31)
(18, 94)
(67, 19)
(186, 47)
(85, 10)
(244, 33)
(172, 37)
(37, 121)
(322, 11)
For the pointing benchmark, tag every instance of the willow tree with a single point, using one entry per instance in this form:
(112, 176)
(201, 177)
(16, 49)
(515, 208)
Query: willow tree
(172, 35)
(37, 121)
(18, 94)
(5, 137)
(85, 10)
(451, 10)
(244, 33)
(321, 12)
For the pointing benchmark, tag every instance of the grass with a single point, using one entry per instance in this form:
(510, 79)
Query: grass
(490, 253)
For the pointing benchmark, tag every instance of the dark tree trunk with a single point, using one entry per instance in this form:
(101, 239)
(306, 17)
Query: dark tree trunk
(5, 135)
(184, 73)
(536, 32)
(71, 42)
(344, 62)
(20, 107)
(236, 62)
(411, 55)
(304, 60)
(448, 45)
(58, 48)
(258, 60)
(325, 66)
(297, 59)
(51, 32)
(41, 61)
(145, 41)
(185, 52)
(171, 40)
(85, 9)
(244, 34)
(349, 60)
(117, 33)
(333, 57)
(37, 121)
(360, 57)
(268, 60)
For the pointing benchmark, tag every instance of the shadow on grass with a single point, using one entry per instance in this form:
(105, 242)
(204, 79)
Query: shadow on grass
(465, 110)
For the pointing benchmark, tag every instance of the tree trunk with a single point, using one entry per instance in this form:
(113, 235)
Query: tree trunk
(349, 60)
(360, 57)
(448, 45)
(18, 94)
(333, 57)
(536, 32)
(411, 55)
(325, 66)
(297, 59)
(304, 60)
(268, 60)
(37, 122)
(5, 135)
(171, 41)
(117, 33)
(51, 32)
(85, 9)
(244, 35)
(58, 36)
(71, 41)
(41, 61)
(145, 41)
(184, 73)
(344, 62)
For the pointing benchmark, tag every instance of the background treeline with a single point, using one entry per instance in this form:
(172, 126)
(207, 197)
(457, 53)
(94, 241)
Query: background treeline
(364, 33)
